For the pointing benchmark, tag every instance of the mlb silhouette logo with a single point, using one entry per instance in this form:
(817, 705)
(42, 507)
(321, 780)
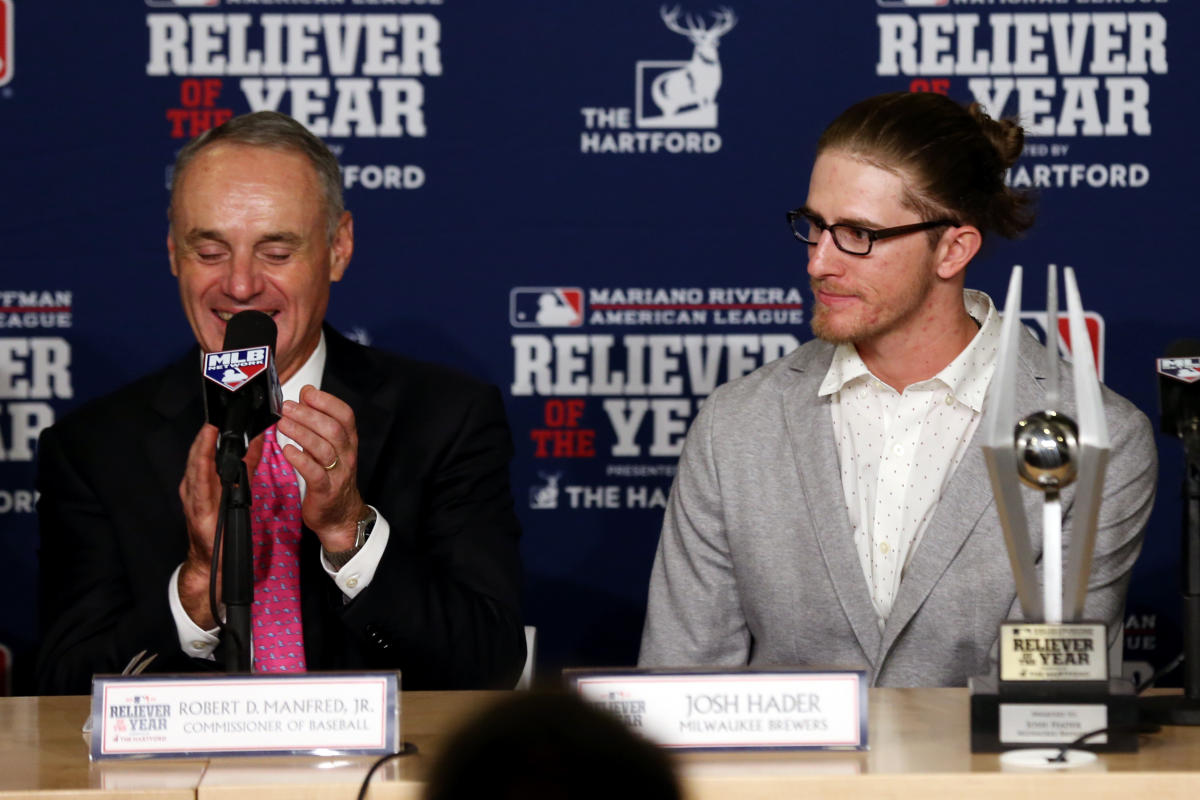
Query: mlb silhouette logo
(545, 307)
(6, 41)
(183, 3)
(233, 368)
(1036, 321)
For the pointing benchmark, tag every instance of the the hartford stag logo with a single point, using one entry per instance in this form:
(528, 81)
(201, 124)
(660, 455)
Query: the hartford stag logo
(545, 307)
(544, 496)
(233, 368)
(6, 41)
(675, 101)
(685, 92)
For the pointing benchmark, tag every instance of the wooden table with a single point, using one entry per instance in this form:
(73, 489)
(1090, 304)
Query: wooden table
(42, 751)
(919, 749)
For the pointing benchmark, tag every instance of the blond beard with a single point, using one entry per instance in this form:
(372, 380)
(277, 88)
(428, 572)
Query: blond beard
(822, 330)
(900, 309)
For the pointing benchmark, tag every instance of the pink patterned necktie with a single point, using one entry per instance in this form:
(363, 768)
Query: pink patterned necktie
(276, 632)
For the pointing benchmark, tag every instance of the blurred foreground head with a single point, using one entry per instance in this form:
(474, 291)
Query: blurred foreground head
(543, 746)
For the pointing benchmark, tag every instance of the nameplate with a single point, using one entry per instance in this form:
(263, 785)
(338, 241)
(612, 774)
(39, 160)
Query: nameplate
(1069, 651)
(747, 709)
(1051, 723)
(203, 715)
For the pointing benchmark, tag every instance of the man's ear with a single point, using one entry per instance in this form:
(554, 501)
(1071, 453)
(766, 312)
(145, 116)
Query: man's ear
(955, 250)
(342, 247)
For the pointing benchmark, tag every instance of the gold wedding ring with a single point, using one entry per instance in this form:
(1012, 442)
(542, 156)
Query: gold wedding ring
(333, 463)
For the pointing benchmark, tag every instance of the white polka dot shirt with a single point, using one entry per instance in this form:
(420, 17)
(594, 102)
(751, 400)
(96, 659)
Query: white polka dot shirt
(898, 449)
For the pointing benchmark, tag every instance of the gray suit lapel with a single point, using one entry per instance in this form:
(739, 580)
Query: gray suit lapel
(968, 496)
(810, 431)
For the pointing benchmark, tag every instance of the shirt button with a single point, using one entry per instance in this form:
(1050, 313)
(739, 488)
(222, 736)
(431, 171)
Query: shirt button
(350, 584)
(198, 645)
(884, 548)
(898, 450)
(949, 399)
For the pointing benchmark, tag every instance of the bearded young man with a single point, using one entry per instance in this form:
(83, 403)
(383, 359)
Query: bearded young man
(833, 508)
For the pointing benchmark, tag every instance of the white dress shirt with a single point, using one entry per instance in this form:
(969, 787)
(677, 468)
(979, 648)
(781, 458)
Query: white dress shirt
(898, 449)
(352, 578)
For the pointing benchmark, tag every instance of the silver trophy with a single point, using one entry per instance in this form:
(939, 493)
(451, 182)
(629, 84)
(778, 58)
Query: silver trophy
(1047, 451)
(1053, 659)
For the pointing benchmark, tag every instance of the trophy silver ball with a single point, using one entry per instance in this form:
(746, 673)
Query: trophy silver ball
(1047, 446)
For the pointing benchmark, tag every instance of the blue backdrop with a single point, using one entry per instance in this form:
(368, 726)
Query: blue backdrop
(583, 203)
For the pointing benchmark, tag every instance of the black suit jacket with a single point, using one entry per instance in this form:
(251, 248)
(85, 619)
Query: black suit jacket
(434, 446)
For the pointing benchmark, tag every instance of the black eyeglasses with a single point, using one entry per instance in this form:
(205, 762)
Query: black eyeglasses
(850, 239)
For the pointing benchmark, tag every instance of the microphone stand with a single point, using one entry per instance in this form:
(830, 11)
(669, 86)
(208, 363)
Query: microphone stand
(237, 587)
(1174, 709)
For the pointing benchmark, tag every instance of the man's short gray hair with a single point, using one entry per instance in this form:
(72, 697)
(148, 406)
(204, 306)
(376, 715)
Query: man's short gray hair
(279, 132)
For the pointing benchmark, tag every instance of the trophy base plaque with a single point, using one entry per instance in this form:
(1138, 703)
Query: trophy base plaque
(1052, 688)
(1044, 714)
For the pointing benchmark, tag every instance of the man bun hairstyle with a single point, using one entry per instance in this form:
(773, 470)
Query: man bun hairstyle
(277, 131)
(952, 157)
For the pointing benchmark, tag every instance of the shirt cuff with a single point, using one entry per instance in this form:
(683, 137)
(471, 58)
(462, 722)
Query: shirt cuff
(357, 573)
(193, 640)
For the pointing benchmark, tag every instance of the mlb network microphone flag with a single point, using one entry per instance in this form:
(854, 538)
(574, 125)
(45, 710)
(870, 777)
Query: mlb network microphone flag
(233, 369)
(242, 381)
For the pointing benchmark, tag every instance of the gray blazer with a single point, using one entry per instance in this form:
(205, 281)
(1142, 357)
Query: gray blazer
(757, 564)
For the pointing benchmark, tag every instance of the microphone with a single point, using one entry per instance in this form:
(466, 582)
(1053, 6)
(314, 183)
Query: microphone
(1179, 389)
(1179, 407)
(242, 397)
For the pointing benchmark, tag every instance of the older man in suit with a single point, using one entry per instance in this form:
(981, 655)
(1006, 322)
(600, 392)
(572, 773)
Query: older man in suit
(833, 507)
(384, 530)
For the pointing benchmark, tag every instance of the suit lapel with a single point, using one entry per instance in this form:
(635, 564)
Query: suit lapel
(352, 375)
(810, 430)
(170, 418)
(179, 412)
(966, 499)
